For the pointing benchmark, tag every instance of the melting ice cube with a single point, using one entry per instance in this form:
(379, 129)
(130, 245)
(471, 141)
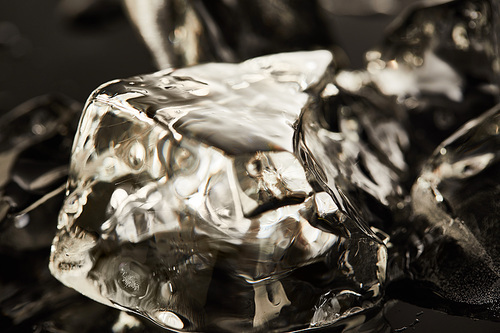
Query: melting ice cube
(187, 204)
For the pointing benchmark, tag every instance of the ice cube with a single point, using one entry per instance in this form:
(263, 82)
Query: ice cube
(187, 204)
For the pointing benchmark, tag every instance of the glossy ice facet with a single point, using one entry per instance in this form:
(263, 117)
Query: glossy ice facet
(186, 203)
(356, 149)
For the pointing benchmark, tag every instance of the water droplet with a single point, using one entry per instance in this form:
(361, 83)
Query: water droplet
(183, 160)
(118, 196)
(254, 167)
(137, 155)
(167, 290)
(21, 221)
(330, 90)
(108, 166)
(169, 319)
(38, 129)
(372, 55)
(460, 37)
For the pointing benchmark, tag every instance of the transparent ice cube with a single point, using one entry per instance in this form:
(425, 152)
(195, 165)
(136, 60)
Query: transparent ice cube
(187, 204)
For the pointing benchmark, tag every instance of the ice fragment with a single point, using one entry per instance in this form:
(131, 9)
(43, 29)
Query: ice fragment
(187, 180)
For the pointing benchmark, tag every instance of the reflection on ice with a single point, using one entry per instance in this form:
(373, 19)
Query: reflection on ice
(186, 198)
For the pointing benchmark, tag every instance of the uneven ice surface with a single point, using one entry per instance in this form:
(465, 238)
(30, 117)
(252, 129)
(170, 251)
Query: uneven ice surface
(188, 204)
(436, 68)
(355, 148)
(440, 64)
(455, 201)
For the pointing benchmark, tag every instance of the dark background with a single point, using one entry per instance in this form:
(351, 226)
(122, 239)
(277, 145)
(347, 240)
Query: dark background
(44, 49)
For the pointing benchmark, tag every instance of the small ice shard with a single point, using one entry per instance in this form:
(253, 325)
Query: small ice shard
(187, 204)
(455, 207)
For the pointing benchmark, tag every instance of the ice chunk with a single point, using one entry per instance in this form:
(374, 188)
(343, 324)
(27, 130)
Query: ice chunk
(455, 206)
(355, 148)
(186, 199)
(367, 138)
(442, 64)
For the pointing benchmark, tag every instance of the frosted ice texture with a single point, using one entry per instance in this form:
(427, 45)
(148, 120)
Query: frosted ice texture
(187, 203)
